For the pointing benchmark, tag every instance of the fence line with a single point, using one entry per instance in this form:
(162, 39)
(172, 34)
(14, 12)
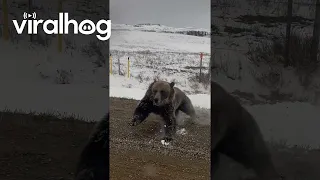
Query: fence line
(119, 70)
(111, 62)
(316, 28)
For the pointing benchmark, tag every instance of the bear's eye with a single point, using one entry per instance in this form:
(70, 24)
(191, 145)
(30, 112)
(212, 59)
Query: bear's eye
(162, 92)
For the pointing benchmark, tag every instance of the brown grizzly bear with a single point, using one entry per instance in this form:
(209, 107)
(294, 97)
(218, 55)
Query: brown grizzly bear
(236, 134)
(163, 99)
(94, 159)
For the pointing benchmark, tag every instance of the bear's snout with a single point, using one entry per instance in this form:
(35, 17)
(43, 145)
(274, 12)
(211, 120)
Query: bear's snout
(156, 101)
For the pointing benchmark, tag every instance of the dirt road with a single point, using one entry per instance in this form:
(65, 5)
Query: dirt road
(136, 152)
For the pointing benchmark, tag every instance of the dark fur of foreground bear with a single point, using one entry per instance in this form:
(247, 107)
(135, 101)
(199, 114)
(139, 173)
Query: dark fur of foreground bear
(163, 99)
(236, 134)
(94, 158)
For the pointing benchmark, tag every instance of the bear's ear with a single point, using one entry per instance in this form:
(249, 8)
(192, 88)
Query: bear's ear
(172, 84)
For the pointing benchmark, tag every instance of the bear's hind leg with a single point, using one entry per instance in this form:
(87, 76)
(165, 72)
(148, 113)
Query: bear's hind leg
(188, 108)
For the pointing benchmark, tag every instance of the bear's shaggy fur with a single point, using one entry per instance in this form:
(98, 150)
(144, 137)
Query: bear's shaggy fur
(236, 134)
(163, 99)
(94, 158)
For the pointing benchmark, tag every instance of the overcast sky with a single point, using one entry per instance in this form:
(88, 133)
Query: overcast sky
(175, 13)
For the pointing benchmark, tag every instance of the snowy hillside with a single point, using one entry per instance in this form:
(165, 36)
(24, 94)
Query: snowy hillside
(148, 27)
(157, 51)
(248, 47)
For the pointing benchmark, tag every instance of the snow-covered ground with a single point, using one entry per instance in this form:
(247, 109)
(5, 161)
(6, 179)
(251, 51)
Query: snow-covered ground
(149, 38)
(239, 27)
(157, 51)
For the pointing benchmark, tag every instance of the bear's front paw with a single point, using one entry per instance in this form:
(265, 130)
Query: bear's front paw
(166, 140)
(134, 122)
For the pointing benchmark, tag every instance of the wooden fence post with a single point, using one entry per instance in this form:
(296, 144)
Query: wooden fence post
(119, 65)
(110, 64)
(128, 67)
(200, 76)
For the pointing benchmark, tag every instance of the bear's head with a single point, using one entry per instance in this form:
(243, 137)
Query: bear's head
(162, 92)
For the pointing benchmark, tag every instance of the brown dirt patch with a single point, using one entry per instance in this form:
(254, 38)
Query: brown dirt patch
(136, 152)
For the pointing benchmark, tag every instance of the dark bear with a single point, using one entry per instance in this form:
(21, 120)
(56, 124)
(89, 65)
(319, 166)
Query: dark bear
(94, 158)
(236, 134)
(163, 99)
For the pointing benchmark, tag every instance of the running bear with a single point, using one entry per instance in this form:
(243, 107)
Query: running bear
(164, 99)
(235, 133)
